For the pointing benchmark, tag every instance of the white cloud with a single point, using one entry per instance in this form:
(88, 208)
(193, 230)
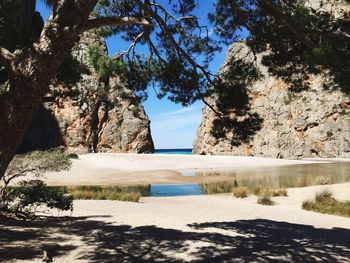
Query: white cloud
(176, 129)
(180, 111)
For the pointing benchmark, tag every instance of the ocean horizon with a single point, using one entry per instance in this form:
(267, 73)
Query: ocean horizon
(173, 151)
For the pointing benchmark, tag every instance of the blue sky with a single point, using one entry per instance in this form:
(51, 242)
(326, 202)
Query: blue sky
(172, 125)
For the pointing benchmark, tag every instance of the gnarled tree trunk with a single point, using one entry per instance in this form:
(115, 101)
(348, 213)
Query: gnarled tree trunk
(30, 73)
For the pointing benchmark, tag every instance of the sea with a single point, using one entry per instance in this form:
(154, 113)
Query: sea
(173, 151)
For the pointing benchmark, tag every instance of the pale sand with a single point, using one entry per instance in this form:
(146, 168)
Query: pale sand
(112, 168)
(189, 229)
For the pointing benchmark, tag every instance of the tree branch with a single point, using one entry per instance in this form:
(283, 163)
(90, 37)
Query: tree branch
(305, 39)
(6, 58)
(115, 21)
(180, 50)
(131, 47)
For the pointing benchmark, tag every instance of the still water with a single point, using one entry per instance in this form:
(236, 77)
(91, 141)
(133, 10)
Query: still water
(175, 189)
(273, 177)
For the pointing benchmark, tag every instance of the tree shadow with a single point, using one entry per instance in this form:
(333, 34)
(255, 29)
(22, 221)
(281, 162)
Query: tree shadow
(238, 122)
(43, 134)
(239, 241)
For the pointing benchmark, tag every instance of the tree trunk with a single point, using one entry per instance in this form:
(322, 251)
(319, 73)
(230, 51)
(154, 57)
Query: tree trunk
(32, 72)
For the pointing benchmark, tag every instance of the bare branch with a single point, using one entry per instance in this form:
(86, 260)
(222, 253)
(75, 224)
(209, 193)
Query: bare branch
(114, 21)
(131, 47)
(6, 58)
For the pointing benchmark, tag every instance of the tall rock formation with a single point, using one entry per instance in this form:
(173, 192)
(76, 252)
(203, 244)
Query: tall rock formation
(95, 114)
(276, 122)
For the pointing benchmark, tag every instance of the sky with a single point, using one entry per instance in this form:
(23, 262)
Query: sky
(172, 126)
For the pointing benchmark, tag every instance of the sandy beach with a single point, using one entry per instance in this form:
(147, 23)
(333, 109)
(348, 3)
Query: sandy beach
(216, 228)
(205, 228)
(119, 169)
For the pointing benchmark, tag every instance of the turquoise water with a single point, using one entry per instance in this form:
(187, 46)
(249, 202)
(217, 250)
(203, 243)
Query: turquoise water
(173, 151)
(175, 189)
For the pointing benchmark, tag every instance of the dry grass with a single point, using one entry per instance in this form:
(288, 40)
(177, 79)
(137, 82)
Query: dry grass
(218, 188)
(261, 191)
(325, 203)
(265, 200)
(279, 192)
(240, 192)
(128, 193)
(323, 180)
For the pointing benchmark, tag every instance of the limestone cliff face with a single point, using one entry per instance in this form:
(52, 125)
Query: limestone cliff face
(91, 115)
(279, 123)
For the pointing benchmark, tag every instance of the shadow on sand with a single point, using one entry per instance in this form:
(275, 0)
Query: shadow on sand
(240, 241)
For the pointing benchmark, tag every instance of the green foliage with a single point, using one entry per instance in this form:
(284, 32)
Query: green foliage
(38, 162)
(24, 196)
(103, 64)
(30, 195)
(70, 71)
(325, 203)
(174, 68)
(233, 100)
(299, 40)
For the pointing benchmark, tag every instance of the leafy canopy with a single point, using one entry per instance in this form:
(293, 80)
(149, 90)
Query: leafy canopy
(301, 37)
(180, 48)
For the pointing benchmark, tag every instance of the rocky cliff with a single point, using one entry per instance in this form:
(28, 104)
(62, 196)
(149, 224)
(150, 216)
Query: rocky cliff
(275, 122)
(96, 114)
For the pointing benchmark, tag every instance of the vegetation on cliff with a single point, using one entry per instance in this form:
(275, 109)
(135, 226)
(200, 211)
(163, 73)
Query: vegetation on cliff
(299, 37)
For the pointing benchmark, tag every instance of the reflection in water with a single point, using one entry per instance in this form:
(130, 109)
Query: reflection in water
(254, 178)
(175, 189)
(287, 176)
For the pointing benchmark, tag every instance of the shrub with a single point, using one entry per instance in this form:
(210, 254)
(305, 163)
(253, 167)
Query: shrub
(265, 200)
(24, 197)
(325, 203)
(260, 191)
(240, 192)
(33, 196)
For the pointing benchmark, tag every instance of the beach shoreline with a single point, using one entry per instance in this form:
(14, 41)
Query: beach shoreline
(136, 169)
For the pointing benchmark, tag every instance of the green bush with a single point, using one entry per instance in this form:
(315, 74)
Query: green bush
(34, 196)
(325, 203)
(23, 196)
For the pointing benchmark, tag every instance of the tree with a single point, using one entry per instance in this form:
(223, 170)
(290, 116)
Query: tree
(23, 193)
(298, 38)
(29, 64)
